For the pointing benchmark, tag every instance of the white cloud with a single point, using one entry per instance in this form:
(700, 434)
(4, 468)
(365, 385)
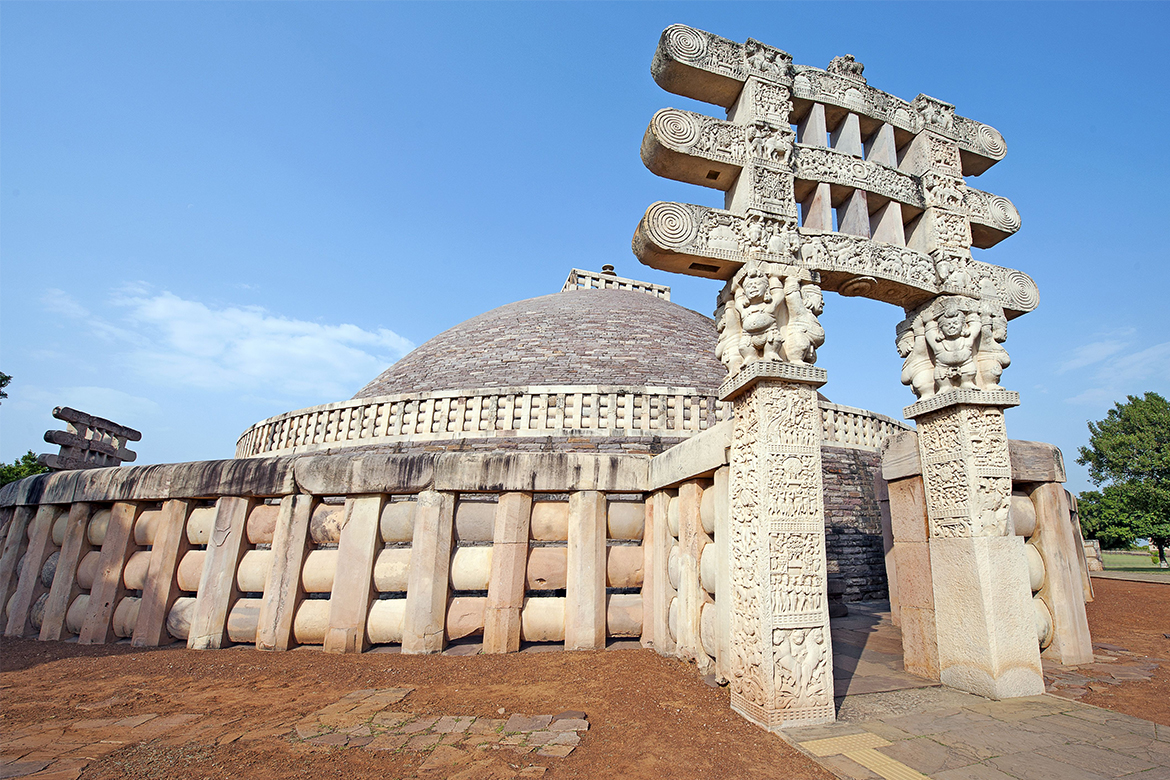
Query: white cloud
(108, 402)
(1127, 375)
(190, 344)
(175, 342)
(61, 302)
(1090, 354)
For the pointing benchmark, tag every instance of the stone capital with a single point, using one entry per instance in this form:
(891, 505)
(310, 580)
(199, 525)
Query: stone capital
(751, 375)
(1001, 399)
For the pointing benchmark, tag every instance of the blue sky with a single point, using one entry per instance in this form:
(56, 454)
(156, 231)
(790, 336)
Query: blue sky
(213, 213)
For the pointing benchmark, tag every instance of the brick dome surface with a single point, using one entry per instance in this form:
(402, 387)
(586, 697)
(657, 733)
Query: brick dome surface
(578, 337)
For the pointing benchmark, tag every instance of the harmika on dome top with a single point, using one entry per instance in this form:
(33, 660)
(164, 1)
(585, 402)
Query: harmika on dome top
(577, 337)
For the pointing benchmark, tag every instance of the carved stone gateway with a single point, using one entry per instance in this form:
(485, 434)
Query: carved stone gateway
(800, 143)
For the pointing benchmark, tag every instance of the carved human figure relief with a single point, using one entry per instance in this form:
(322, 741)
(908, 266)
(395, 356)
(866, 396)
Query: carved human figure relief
(727, 325)
(954, 343)
(756, 306)
(918, 368)
(992, 358)
(951, 273)
(803, 332)
(951, 336)
(801, 669)
(747, 685)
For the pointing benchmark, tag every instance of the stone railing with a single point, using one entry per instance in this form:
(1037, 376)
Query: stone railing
(345, 551)
(590, 280)
(534, 411)
(577, 411)
(846, 426)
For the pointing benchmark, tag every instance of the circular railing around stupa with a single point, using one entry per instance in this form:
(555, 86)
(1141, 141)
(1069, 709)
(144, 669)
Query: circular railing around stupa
(611, 413)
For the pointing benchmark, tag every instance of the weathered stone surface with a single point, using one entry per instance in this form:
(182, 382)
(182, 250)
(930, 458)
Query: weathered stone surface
(1035, 461)
(108, 586)
(900, 458)
(550, 521)
(585, 589)
(496, 337)
(657, 591)
(349, 474)
(623, 614)
(398, 521)
(204, 479)
(626, 519)
(475, 521)
(353, 584)
(65, 588)
(696, 457)
(386, 622)
(284, 592)
(541, 472)
(986, 635)
(161, 586)
(218, 590)
(781, 669)
(29, 586)
(624, 567)
(542, 619)
(426, 595)
(1061, 591)
(509, 565)
(465, 616)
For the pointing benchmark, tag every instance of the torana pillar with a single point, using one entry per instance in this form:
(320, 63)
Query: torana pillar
(781, 658)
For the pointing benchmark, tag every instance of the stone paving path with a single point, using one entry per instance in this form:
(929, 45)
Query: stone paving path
(60, 750)
(867, 652)
(361, 719)
(895, 726)
(949, 735)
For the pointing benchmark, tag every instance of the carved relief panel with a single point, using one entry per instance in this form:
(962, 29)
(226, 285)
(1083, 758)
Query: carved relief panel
(966, 470)
(780, 615)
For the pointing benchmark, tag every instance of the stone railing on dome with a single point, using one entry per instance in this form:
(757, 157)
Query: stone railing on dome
(518, 412)
(608, 280)
(846, 426)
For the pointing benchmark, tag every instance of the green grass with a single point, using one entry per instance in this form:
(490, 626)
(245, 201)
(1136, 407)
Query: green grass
(1120, 561)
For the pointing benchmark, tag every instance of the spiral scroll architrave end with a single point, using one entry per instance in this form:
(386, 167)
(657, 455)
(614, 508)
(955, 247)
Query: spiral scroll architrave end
(670, 225)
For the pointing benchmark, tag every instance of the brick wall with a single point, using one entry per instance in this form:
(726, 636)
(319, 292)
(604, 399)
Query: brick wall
(853, 525)
(581, 337)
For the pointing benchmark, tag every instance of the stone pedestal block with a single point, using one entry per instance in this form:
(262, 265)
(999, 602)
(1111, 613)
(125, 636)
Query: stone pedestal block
(984, 619)
(982, 597)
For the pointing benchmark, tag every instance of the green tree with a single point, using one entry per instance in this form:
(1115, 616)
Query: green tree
(4, 380)
(1129, 458)
(24, 466)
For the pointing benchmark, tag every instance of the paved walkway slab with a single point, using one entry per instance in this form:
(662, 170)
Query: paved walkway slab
(892, 725)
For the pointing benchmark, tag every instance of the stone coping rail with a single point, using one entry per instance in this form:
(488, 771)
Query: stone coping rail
(577, 411)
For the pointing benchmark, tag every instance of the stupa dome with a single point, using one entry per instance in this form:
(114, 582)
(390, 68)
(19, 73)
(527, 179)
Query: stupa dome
(576, 337)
